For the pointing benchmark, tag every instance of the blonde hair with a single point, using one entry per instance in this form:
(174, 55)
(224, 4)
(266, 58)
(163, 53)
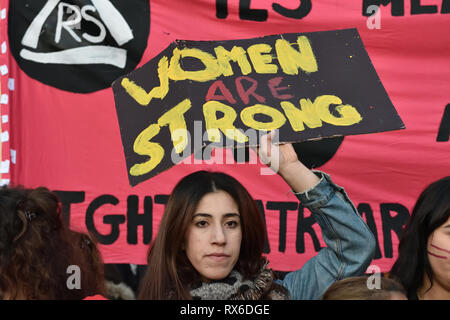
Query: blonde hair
(356, 288)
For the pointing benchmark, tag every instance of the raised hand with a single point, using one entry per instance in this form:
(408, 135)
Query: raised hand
(283, 160)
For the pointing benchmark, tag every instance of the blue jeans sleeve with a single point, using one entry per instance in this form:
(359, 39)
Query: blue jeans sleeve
(350, 243)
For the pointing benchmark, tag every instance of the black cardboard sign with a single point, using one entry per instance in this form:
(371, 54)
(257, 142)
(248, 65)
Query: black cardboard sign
(307, 85)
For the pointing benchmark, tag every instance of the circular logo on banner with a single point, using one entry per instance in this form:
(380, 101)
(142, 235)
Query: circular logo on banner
(78, 45)
(316, 153)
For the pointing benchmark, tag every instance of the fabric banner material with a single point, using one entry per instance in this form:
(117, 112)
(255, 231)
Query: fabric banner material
(66, 134)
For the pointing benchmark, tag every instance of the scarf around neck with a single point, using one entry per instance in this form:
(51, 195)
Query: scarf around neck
(233, 287)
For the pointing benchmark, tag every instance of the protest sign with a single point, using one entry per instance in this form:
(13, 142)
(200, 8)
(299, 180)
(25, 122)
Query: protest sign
(308, 86)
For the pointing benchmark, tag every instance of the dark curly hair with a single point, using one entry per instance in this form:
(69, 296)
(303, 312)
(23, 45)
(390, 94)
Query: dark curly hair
(88, 257)
(36, 248)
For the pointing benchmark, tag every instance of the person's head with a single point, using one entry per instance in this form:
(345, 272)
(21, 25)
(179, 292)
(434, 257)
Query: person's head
(211, 225)
(88, 258)
(362, 288)
(424, 248)
(36, 248)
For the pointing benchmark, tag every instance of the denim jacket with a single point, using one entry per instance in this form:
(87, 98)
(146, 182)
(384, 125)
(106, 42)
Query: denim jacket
(350, 243)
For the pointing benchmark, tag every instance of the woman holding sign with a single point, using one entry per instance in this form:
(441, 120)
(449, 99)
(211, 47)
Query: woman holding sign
(211, 238)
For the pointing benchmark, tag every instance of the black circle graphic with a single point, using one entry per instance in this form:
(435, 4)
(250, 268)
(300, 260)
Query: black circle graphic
(316, 153)
(75, 46)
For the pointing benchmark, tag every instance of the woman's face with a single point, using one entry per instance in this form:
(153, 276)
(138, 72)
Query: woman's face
(439, 254)
(213, 238)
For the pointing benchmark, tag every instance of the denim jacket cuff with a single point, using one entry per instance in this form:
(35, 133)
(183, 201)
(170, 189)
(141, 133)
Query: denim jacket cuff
(321, 193)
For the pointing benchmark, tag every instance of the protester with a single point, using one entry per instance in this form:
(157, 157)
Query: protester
(38, 253)
(364, 288)
(211, 238)
(423, 263)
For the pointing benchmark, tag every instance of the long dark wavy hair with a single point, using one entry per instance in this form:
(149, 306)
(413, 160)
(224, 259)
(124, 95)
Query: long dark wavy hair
(431, 210)
(169, 273)
(36, 248)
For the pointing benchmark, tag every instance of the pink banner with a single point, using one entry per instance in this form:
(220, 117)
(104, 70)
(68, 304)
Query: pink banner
(64, 56)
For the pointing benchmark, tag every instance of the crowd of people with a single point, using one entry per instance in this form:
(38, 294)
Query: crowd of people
(210, 244)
